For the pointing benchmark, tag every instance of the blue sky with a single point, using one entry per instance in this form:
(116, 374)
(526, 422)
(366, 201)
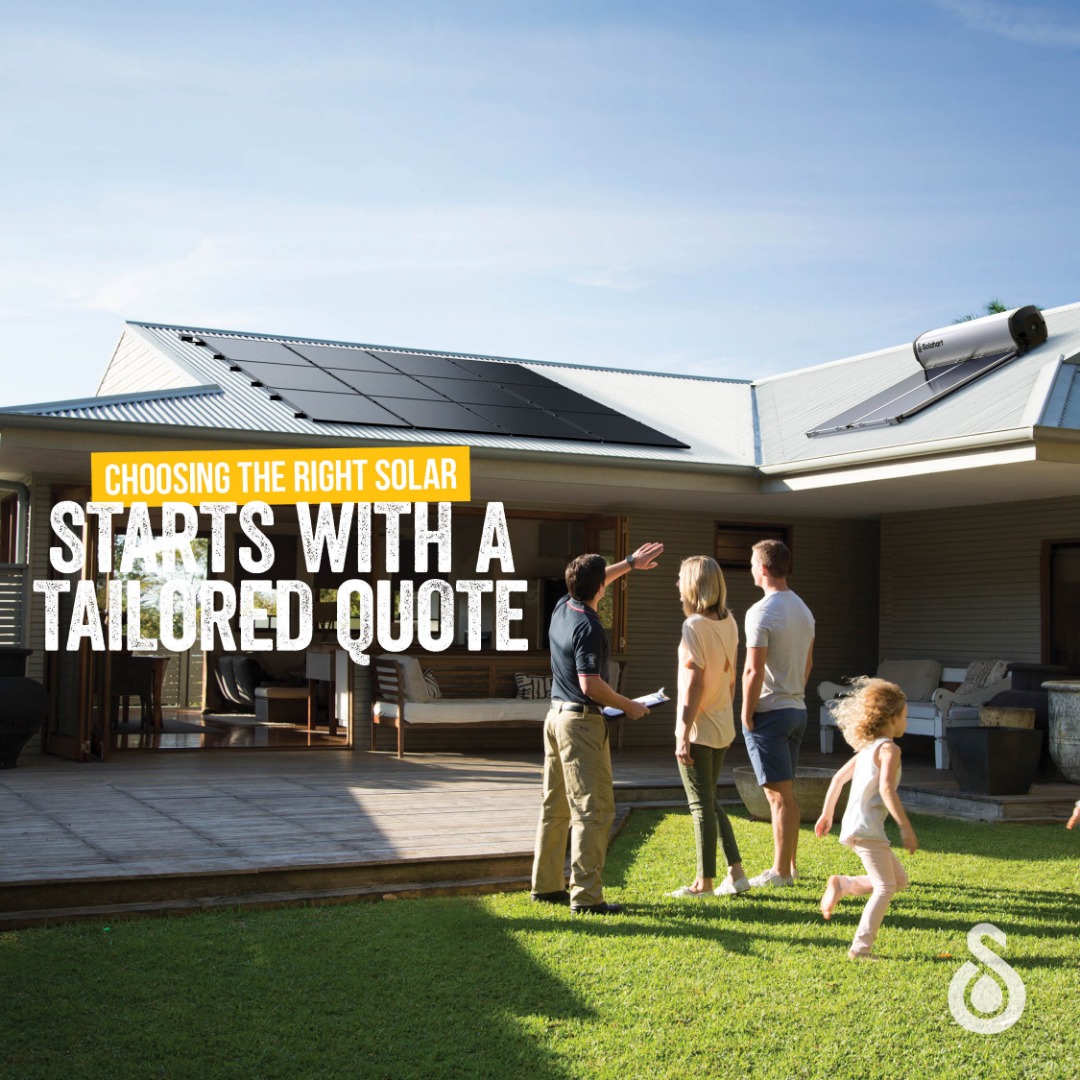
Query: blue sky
(708, 188)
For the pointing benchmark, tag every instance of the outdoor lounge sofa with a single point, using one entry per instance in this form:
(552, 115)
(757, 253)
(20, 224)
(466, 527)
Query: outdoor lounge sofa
(937, 697)
(465, 692)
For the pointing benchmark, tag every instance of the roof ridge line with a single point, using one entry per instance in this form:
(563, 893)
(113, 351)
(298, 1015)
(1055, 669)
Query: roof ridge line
(202, 390)
(450, 354)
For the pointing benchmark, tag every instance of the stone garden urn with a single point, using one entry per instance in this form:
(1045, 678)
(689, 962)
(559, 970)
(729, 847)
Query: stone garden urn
(24, 704)
(810, 788)
(1065, 726)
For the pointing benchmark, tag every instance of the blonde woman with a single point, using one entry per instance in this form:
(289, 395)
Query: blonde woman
(705, 723)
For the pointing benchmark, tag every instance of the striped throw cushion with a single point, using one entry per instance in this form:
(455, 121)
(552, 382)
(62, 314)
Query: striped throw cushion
(533, 687)
(432, 685)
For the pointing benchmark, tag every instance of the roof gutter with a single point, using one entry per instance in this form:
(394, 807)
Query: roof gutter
(32, 421)
(937, 448)
(664, 464)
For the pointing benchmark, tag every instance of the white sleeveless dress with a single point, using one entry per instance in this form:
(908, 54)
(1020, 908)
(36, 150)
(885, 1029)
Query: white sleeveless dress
(866, 811)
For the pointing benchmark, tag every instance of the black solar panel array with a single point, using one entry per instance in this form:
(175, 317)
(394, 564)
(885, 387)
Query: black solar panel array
(343, 384)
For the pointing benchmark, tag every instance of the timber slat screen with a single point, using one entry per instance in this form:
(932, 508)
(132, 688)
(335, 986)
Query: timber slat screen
(13, 603)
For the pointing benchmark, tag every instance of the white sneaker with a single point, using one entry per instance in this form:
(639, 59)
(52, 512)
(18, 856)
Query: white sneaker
(686, 891)
(770, 879)
(727, 887)
(794, 873)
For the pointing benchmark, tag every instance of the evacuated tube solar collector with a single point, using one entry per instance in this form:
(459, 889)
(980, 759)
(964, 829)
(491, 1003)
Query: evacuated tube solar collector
(1014, 331)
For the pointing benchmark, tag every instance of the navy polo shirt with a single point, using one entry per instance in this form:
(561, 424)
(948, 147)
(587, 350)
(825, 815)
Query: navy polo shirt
(579, 646)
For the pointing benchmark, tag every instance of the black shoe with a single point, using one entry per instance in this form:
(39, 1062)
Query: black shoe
(603, 908)
(561, 897)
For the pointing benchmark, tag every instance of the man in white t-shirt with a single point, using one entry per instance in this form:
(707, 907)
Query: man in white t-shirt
(779, 655)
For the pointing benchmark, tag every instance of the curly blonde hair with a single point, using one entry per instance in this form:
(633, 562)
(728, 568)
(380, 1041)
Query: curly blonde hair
(865, 713)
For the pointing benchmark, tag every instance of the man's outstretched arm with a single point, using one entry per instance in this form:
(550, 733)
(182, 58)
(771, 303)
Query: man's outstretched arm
(643, 559)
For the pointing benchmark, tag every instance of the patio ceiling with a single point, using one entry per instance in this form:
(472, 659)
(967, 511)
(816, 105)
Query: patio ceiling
(1010, 467)
(1043, 469)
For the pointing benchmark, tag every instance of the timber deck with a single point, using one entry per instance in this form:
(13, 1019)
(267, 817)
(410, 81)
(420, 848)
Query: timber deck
(164, 832)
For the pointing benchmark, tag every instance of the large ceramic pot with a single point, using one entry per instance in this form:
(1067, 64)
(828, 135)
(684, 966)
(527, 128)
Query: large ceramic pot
(810, 788)
(24, 705)
(1065, 726)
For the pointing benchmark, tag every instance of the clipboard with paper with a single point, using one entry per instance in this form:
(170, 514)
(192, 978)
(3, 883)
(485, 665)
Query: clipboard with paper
(649, 701)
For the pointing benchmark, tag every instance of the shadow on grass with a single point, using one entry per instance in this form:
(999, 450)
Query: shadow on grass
(396, 989)
(1035, 913)
(954, 909)
(742, 926)
(633, 837)
(792, 917)
(982, 839)
(707, 928)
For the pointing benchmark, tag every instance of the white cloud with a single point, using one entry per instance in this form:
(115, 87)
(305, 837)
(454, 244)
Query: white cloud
(143, 251)
(1027, 24)
(172, 277)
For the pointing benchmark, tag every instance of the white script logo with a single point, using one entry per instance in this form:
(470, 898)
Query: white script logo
(986, 994)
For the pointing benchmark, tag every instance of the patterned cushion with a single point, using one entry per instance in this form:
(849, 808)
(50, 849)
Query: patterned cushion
(533, 687)
(982, 673)
(432, 685)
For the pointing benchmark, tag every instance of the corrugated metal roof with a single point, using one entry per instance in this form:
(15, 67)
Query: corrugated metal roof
(184, 406)
(1070, 412)
(685, 407)
(725, 422)
(792, 404)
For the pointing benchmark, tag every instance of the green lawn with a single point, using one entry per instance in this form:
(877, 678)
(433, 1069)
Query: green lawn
(501, 987)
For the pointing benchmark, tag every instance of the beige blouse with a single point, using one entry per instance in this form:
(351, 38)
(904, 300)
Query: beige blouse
(712, 646)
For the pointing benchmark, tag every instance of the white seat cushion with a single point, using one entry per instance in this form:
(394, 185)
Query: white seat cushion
(465, 710)
(964, 716)
(921, 710)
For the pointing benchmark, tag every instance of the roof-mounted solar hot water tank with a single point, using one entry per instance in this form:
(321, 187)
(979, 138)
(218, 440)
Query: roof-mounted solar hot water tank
(951, 358)
(1014, 331)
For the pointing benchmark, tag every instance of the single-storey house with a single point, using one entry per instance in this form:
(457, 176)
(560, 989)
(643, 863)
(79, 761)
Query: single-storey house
(927, 517)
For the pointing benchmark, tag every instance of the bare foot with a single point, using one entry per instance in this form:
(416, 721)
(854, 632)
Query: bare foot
(831, 896)
(853, 955)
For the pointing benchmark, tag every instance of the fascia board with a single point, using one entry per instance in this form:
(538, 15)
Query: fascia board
(921, 467)
(894, 455)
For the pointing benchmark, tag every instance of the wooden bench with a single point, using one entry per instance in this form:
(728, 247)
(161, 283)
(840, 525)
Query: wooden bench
(475, 691)
(931, 717)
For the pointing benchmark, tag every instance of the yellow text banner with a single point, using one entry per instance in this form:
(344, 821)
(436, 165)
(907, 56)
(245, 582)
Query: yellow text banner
(414, 474)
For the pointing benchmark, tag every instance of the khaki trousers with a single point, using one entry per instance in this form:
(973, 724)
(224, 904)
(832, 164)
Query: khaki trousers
(579, 799)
